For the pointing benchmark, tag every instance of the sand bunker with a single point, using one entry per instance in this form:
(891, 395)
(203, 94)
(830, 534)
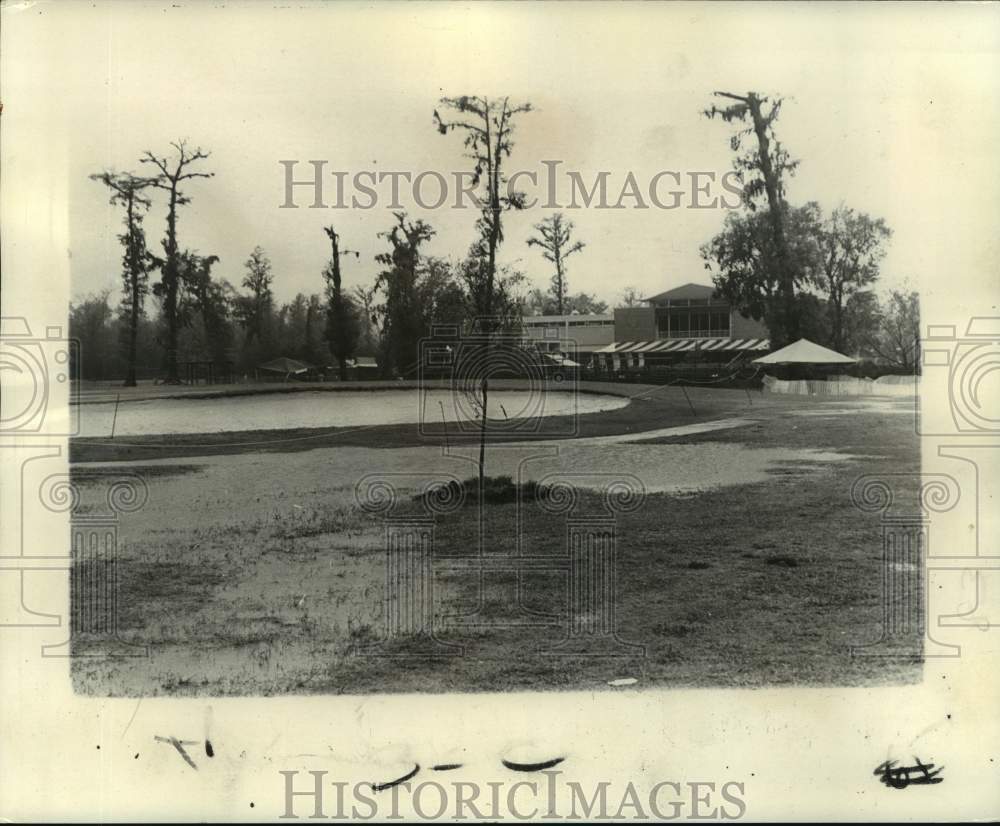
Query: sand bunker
(340, 409)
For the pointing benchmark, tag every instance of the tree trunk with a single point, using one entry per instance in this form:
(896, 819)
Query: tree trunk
(170, 276)
(559, 283)
(789, 326)
(490, 274)
(337, 311)
(838, 322)
(132, 337)
(134, 284)
(482, 444)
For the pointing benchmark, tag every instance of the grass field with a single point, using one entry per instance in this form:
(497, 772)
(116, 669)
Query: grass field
(250, 570)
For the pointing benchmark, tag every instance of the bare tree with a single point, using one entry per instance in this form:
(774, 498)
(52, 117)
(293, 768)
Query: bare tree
(488, 125)
(364, 299)
(763, 170)
(341, 319)
(127, 190)
(631, 297)
(172, 174)
(555, 237)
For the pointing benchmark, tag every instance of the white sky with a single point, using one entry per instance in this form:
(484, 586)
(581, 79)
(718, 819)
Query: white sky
(892, 109)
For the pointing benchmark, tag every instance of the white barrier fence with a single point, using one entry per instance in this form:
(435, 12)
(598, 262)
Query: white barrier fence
(845, 386)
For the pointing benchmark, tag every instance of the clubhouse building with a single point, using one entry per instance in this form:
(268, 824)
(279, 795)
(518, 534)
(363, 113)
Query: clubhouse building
(684, 325)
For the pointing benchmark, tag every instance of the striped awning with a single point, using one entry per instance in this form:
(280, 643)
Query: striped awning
(683, 345)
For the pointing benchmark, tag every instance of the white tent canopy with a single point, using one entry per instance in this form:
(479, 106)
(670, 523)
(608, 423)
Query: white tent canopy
(804, 351)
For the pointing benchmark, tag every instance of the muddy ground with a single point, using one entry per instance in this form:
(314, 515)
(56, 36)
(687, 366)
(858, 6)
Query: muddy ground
(253, 571)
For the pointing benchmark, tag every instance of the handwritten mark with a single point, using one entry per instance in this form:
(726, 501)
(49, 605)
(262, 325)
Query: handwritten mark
(179, 745)
(446, 767)
(131, 719)
(381, 787)
(899, 777)
(532, 767)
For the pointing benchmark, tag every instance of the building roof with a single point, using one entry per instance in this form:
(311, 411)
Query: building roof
(555, 319)
(285, 365)
(804, 351)
(559, 359)
(684, 292)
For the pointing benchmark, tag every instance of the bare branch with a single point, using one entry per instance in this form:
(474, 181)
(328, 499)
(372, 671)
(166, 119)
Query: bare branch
(743, 98)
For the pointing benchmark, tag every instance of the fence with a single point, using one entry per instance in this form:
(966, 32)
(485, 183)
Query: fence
(845, 386)
(688, 375)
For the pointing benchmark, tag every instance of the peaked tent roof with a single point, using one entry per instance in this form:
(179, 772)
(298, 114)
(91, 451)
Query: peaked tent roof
(804, 351)
(285, 365)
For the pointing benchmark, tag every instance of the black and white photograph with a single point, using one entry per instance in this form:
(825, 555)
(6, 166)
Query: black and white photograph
(496, 411)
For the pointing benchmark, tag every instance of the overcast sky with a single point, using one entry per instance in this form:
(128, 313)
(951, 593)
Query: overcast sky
(891, 109)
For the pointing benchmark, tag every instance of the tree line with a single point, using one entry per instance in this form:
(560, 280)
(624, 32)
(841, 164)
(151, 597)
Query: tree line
(197, 317)
(801, 272)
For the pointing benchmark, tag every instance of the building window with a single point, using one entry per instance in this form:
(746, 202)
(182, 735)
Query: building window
(694, 323)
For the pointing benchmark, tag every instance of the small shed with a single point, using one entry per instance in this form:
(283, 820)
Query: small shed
(364, 367)
(285, 368)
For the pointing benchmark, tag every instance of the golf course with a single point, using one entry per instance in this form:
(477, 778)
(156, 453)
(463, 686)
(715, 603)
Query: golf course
(745, 562)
